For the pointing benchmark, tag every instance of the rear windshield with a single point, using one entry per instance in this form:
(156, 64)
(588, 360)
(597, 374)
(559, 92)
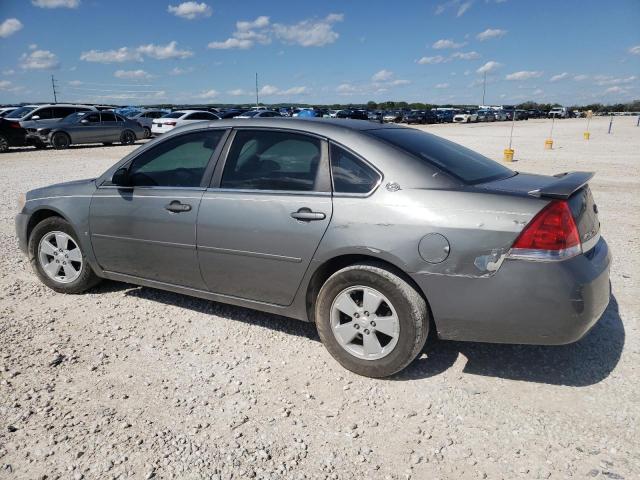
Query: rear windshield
(20, 112)
(465, 164)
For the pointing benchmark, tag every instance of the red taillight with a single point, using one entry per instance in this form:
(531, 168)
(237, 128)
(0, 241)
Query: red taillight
(552, 230)
(14, 125)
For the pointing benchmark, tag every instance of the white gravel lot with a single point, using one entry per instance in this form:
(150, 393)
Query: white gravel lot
(128, 382)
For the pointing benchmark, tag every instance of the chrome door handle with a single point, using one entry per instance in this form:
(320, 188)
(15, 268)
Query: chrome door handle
(176, 207)
(306, 215)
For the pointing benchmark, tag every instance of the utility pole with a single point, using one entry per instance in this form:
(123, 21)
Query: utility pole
(53, 86)
(484, 87)
(257, 90)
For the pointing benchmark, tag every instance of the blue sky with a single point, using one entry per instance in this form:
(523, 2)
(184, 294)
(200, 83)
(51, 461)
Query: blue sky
(136, 52)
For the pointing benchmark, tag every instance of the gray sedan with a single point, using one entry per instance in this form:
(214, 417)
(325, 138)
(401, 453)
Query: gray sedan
(89, 127)
(376, 233)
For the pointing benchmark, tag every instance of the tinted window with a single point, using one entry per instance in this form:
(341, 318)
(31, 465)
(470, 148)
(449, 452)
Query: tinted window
(177, 162)
(263, 160)
(61, 112)
(469, 166)
(93, 117)
(201, 116)
(174, 115)
(351, 175)
(81, 109)
(108, 117)
(43, 113)
(20, 112)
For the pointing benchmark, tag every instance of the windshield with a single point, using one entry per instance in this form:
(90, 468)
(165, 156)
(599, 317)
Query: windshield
(20, 112)
(250, 114)
(465, 164)
(174, 115)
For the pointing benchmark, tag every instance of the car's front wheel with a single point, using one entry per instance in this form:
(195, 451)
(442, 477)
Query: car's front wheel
(57, 258)
(60, 141)
(373, 322)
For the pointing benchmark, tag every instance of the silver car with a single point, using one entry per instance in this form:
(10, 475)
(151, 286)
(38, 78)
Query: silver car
(376, 233)
(146, 118)
(90, 127)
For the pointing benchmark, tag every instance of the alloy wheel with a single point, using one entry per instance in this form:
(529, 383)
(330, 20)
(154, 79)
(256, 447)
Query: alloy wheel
(60, 257)
(364, 322)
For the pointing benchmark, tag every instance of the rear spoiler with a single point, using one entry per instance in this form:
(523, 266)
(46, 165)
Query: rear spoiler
(567, 184)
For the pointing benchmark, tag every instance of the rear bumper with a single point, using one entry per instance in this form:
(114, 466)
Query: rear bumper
(541, 303)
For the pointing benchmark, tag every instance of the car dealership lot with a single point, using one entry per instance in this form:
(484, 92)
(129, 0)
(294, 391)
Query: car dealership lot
(127, 381)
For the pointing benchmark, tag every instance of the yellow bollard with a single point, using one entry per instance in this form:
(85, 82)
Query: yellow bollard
(586, 135)
(548, 144)
(508, 154)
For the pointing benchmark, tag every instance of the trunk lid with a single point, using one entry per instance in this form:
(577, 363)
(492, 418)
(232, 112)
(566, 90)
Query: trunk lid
(572, 187)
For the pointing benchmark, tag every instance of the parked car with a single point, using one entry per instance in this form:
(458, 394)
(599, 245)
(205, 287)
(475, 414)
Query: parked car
(146, 118)
(232, 113)
(559, 112)
(375, 116)
(90, 127)
(420, 116)
(392, 117)
(500, 115)
(359, 115)
(6, 111)
(522, 115)
(32, 117)
(11, 135)
(259, 114)
(280, 221)
(445, 116)
(178, 118)
(468, 116)
(486, 116)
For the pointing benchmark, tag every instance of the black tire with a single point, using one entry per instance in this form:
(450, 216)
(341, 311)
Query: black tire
(411, 309)
(87, 278)
(60, 141)
(4, 144)
(107, 144)
(147, 132)
(127, 137)
(39, 145)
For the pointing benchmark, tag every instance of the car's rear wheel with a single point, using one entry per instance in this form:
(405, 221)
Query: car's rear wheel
(4, 144)
(60, 141)
(57, 258)
(147, 132)
(373, 322)
(127, 137)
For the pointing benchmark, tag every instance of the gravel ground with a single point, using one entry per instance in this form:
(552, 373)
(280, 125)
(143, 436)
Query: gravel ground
(128, 382)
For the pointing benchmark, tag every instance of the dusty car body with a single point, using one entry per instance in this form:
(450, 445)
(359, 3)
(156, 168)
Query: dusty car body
(384, 205)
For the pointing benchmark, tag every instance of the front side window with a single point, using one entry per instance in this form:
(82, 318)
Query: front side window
(270, 160)
(177, 162)
(93, 118)
(350, 174)
(43, 113)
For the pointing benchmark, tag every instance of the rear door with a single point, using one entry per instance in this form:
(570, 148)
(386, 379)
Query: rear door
(110, 128)
(263, 217)
(148, 229)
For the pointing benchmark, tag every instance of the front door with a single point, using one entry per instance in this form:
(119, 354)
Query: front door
(148, 229)
(269, 207)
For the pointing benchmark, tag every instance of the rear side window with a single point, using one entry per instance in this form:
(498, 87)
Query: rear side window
(177, 162)
(265, 160)
(61, 112)
(108, 117)
(350, 174)
(465, 164)
(201, 116)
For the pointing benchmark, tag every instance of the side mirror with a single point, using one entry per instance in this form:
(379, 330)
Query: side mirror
(84, 121)
(35, 117)
(121, 177)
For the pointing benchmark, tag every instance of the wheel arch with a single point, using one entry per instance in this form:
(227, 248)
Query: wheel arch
(42, 214)
(332, 265)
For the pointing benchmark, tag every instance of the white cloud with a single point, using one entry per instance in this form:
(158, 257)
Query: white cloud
(604, 80)
(442, 85)
(56, 3)
(294, 91)
(309, 33)
(190, 10)
(615, 90)
(382, 76)
(231, 43)
(120, 55)
(445, 43)
(490, 33)
(635, 50)
(5, 84)
(560, 76)
(580, 78)
(132, 74)
(523, 75)
(538, 91)
(473, 55)
(9, 27)
(180, 71)
(207, 94)
(489, 67)
(9, 71)
(75, 83)
(39, 60)
(260, 22)
(399, 82)
(269, 90)
(347, 89)
(164, 52)
(431, 60)
(238, 92)
(463, 8)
